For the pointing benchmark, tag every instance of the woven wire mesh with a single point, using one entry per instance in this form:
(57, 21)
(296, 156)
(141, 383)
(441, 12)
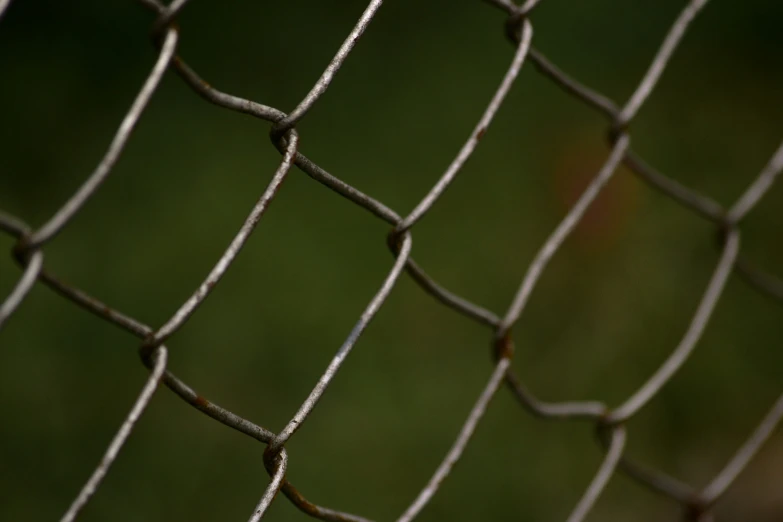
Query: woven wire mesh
(609, 420)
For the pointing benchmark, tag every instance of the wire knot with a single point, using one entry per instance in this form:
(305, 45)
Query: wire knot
(697, 510)
(503, 346)
(148, 349)
(514, 24)
(272, 457)
(394, 239)
(617, 129)
(166, 20)
(280, 128)
(23, 249)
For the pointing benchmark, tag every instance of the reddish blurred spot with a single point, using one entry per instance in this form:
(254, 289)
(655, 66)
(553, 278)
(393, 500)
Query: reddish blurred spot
(608, 216)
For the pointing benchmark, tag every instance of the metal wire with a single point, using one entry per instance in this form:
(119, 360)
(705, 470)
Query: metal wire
(160, 357)
(610, 423)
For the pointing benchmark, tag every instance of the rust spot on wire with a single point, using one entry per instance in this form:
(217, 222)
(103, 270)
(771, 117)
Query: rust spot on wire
(504, 347)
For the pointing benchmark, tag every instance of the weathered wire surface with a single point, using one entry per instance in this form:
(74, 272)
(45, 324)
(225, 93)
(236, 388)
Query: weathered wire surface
(610, 421)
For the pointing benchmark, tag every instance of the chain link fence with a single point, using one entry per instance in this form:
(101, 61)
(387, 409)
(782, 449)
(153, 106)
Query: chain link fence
(609, 420)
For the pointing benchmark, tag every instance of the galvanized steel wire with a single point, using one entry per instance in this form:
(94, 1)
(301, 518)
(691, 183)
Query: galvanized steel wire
(609, 421)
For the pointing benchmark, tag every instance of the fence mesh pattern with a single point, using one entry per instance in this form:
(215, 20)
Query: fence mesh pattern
(610, 421)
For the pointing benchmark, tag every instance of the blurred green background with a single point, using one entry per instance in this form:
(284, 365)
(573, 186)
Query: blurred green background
(612, 305)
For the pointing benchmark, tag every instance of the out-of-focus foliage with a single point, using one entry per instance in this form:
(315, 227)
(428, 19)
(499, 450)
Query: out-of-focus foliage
(611, 306)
